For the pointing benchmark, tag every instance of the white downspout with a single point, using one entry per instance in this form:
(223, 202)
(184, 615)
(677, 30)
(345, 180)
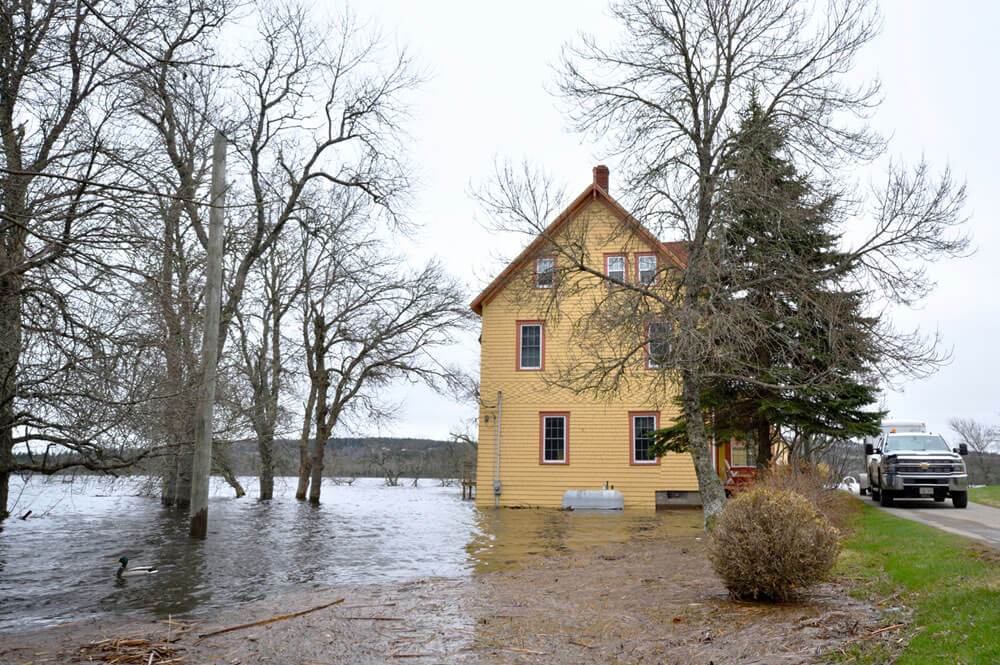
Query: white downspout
(496, 474)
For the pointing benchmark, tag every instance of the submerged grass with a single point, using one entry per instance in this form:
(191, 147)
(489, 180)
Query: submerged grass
(989, 495)
(950, 584)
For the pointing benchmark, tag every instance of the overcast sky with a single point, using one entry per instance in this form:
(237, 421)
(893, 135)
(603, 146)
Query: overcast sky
(490, 70)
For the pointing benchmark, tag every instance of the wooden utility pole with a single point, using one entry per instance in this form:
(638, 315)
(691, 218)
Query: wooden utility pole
(202, 467)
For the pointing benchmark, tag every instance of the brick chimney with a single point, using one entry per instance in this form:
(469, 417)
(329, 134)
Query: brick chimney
(601, 176)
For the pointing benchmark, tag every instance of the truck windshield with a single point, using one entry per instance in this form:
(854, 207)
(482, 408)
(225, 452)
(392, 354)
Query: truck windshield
(924, 443)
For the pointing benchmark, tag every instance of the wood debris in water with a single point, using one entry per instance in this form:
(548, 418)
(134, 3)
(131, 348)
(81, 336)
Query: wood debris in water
(118, 651)
(271, 620)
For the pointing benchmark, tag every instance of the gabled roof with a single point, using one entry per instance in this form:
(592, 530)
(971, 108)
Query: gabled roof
(676, 252)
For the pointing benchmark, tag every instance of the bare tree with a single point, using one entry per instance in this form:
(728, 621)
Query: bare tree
(68, 201)
(385, 463)
(314, 108)
(981, 439)
(367, 322)
(261, 341)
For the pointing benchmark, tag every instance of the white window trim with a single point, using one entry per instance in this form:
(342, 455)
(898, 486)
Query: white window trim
(656, 424)
(638, 268)
(649, 345)
(607, 265)
(520, 343)
(539, 272)
(554, 461)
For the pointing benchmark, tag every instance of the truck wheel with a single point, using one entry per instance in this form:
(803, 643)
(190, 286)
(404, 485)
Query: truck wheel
(960, 499)
(885, 498)
(875, 492)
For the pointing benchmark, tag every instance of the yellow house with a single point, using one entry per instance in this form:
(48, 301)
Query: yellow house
(536, 439)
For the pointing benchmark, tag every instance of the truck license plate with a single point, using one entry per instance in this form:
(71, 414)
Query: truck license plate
(926, 491)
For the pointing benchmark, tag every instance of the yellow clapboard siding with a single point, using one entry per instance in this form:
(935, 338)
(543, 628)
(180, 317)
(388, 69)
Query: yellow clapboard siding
(599, 445)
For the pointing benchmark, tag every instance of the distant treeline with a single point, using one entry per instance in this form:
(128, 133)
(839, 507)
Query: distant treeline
(347, 456)
(364, 456)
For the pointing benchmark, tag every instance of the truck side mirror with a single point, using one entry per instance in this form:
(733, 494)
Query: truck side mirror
(869, 449)
(963, 449)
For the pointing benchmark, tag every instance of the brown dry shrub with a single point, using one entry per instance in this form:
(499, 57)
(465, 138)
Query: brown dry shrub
(769, 544)
(812, 482)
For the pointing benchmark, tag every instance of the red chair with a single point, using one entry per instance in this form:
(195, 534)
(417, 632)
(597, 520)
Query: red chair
(739, 478)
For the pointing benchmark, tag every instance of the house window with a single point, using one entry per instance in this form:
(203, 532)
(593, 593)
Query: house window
(614, 266)
(530, 344)
(642, 424)
(658, 344)
(554, 438)
(740, 454)
(646, 267)
(545, 272)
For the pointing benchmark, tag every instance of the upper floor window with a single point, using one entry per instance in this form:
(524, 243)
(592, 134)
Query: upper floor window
(658, 344)
(646, 267)
(614, 266)
(530, 344)
(642, 441)
(545, 272)
(554, 438)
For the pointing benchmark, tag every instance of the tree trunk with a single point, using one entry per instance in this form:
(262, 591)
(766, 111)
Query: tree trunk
(305, 470)
(10, 355)
(305, 465)
(322, 434)
(6, 456)
(182, 495)
(6, 415)
(168, 495)
(763, 437)
(713, 496)
(220, 464)
(265, 444)
(202, 465)
(316, 471)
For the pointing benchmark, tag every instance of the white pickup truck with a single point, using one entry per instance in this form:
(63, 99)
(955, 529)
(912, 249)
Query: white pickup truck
(873, 454)
(915, 464)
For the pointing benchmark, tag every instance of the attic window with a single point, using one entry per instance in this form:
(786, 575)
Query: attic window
(614, 266)
(545, 272)
(646, 267)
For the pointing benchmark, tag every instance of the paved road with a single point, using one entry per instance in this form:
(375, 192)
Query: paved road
(977, 521)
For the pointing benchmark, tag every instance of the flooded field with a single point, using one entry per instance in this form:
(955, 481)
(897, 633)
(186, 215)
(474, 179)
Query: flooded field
(59, 564)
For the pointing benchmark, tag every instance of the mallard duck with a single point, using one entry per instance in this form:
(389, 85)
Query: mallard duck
(136, 570)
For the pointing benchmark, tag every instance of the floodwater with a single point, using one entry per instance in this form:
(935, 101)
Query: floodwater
(59, 564)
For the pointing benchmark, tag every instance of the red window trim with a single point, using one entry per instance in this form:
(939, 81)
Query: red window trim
(539, 258)
(636, 256)
(517, 346)
(631, 436)
(624, 257)
(649, 363)
(541, 437)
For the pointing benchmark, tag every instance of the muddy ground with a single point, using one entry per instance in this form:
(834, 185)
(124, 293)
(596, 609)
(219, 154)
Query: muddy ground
(654, 602)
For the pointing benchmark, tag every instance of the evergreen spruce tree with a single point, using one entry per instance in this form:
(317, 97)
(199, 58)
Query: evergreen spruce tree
(797, 352)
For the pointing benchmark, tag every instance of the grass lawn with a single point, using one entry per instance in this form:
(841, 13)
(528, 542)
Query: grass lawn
(951, 585)
(989, 495)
